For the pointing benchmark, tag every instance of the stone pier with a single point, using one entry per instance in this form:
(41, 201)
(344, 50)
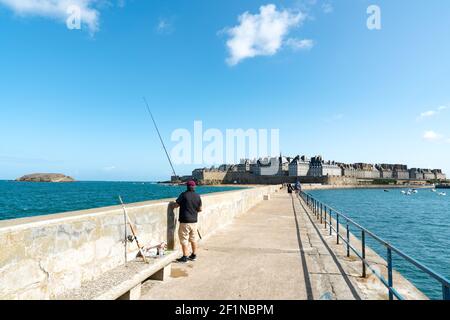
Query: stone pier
(258, 243)
(45, 257)
(277, 250)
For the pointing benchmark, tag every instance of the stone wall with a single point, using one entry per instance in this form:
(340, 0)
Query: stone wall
(248, 178)
(42, 257)
(311, 186)
(209, 177)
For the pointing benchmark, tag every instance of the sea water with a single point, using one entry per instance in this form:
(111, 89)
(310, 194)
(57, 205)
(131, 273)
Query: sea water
(26, 199)
(417, 224)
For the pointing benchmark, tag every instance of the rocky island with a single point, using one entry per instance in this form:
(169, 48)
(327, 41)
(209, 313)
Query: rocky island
(46, 177)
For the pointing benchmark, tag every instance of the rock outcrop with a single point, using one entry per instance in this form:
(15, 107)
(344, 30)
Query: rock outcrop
(46, 177)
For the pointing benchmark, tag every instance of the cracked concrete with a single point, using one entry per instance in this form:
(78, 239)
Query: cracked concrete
(43, 269)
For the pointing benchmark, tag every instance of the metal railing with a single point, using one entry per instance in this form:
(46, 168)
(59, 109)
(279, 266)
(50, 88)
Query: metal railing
(325, 214)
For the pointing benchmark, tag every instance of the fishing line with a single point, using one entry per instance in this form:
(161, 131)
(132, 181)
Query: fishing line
(160, 138)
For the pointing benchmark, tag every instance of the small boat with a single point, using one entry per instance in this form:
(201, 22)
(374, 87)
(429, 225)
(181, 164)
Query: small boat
(385, 190)
(403, 191)
(415, 191)
(442, 194)
(433, 190)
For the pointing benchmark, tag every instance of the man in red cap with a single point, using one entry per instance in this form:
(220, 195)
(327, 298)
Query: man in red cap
(190, 205)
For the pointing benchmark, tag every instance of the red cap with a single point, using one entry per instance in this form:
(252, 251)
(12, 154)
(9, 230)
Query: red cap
(191, 183)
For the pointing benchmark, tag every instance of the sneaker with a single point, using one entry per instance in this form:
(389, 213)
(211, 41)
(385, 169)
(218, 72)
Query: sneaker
(193, 257)
(183, 259)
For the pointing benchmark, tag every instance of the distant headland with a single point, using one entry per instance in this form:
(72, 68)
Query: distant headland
(46, 177)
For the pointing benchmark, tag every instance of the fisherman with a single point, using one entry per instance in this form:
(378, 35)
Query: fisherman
(190, 205)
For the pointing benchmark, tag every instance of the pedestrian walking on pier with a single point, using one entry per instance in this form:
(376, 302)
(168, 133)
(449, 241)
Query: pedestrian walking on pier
(190, 205)
(298, 187)
(289, 188)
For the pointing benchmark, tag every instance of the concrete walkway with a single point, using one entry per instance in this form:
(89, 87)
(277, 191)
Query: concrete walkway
(272, 252)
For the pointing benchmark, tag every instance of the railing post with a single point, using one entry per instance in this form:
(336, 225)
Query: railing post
(331, 224)
(363, 242)
(315, 204)
(325, 209)
(321, 213)
(390, 278)
(348, 240)
(445, 292)
(317, 210)
(337, 227)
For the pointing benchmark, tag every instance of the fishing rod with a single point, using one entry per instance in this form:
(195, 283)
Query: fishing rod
(133, 230)
(165, 149)
(160, 138)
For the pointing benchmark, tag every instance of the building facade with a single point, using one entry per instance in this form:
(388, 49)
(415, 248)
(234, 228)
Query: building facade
(386, 171)
(401, 172)
(415, 174)
(299, 167)
(439, 175)
(428, 174)
(311, 169)
(321, 168)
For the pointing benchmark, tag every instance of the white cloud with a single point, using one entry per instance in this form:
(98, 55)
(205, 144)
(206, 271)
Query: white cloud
(56, 9)
(432, 136)
(431, 113)
(299, 44)
(260, 34)
(327, 8)
(164, 26)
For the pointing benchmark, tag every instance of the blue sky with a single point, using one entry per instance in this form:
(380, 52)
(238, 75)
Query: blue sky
(71, 100)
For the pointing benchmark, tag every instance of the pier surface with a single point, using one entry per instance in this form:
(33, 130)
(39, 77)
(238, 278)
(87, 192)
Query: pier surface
(275, 251)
